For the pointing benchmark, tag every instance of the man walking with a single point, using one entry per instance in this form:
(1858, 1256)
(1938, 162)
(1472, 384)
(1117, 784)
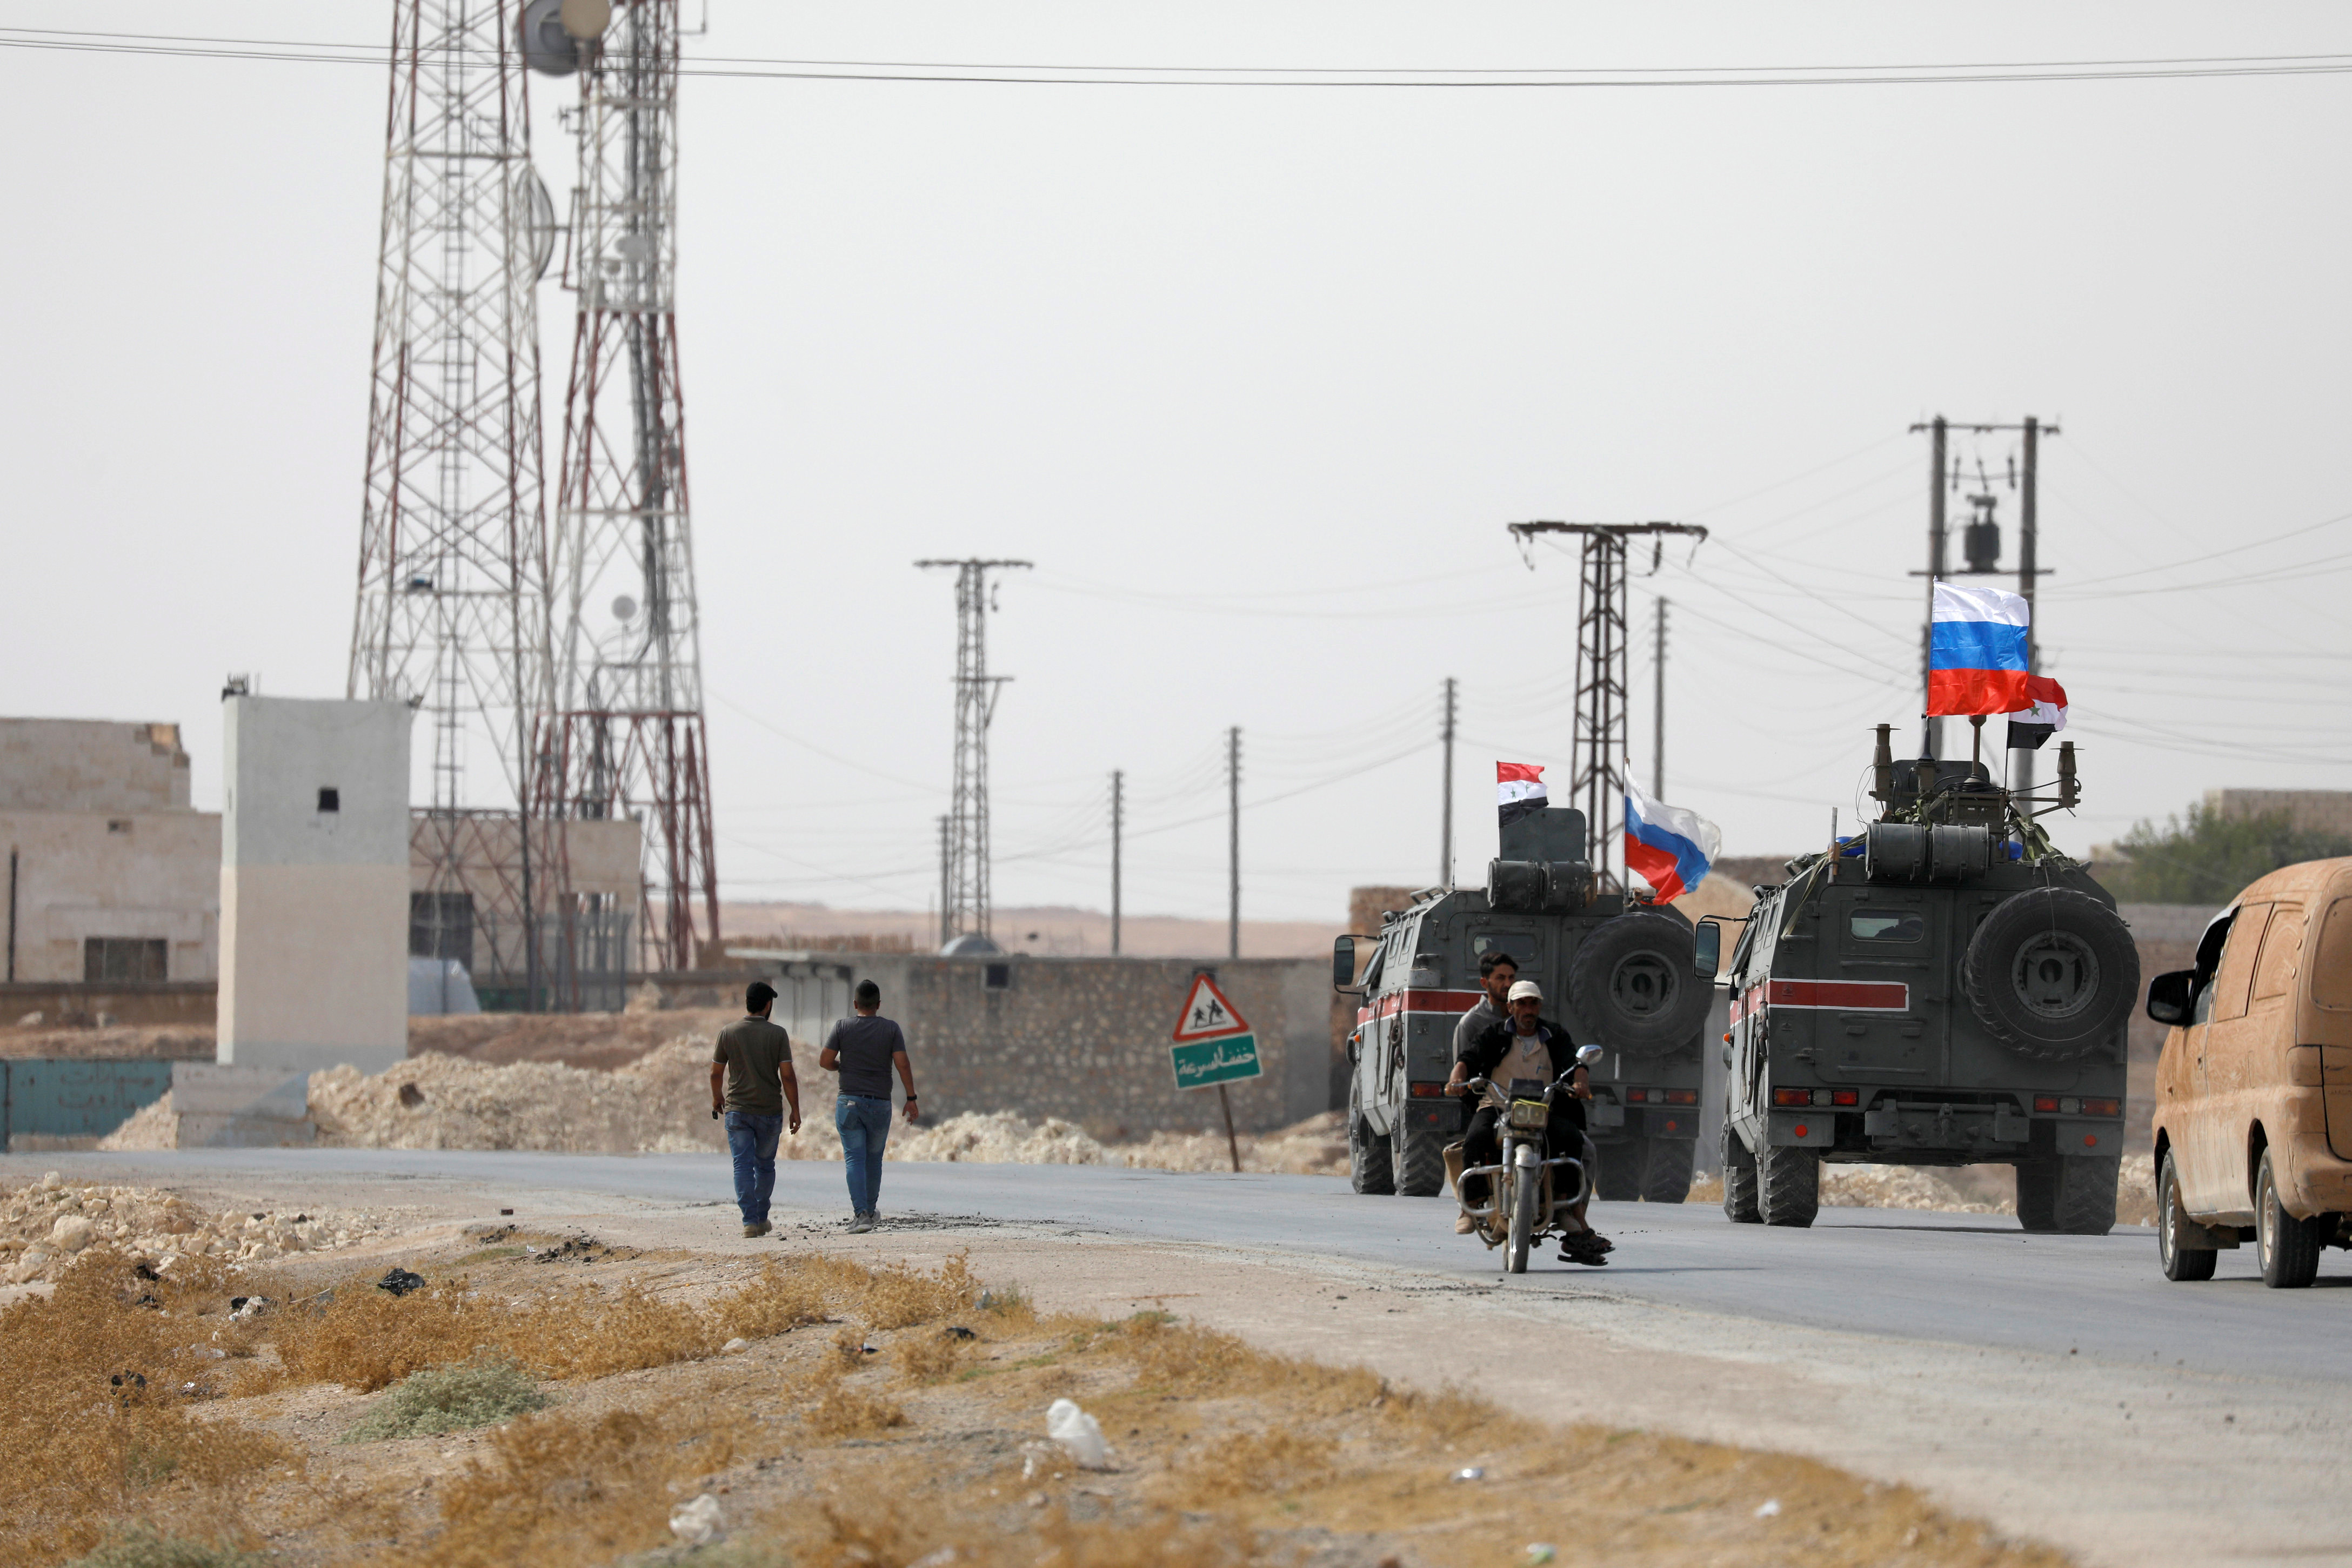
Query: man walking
(751, 1080)
(864, 1049)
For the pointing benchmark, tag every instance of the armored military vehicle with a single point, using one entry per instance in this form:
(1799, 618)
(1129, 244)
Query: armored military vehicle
(1617, 973)
(1942, 988)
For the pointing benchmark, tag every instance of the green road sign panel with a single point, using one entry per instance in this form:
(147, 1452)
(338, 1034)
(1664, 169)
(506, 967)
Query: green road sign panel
(1227, 1060)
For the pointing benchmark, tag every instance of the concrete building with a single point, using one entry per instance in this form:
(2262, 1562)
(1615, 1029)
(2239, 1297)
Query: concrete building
(112, 877)
(314, 884)
(2307, 810)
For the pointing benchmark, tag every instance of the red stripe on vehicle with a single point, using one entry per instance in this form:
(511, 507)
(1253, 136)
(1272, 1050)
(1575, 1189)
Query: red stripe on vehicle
(1452, 1004)
(1849, 996)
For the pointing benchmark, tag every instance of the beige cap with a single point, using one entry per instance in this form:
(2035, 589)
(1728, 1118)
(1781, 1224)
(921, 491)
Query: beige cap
(1524, 991)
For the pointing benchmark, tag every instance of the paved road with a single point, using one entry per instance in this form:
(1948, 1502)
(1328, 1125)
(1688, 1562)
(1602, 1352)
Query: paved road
(1958, 1279)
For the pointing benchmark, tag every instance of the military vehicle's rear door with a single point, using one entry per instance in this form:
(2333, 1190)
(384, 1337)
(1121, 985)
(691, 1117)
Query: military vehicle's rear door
(1885, 935)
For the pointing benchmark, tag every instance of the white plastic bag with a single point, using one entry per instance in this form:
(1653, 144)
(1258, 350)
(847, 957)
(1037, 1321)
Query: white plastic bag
(1079, 1433)
(695, 1522)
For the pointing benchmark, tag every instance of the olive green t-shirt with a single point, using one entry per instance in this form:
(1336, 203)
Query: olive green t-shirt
(754, 1051)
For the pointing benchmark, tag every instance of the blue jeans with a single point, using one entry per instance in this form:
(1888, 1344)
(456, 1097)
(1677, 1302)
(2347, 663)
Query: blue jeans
(752, 1139)
(864, 1126)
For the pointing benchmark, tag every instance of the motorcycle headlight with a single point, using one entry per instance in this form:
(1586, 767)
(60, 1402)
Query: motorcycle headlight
(1528, 1115)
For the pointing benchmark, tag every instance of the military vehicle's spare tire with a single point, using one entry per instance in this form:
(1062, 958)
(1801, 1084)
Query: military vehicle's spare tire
(2051, 973)
(1632, 983)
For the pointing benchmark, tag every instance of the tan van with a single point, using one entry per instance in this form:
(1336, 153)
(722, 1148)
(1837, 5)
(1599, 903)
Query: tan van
(2253, 1091)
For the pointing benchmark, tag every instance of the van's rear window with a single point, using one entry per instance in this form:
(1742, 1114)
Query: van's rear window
(2331, 981)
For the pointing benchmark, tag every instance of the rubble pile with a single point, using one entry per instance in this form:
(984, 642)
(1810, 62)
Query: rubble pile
(44, 1225)
(659, 1102)
(1899, 1186)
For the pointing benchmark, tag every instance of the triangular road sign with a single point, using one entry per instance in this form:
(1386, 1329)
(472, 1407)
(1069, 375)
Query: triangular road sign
(1208, 1014)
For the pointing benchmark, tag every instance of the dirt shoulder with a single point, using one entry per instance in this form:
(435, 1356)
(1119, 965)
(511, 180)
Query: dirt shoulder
(2114, 1463)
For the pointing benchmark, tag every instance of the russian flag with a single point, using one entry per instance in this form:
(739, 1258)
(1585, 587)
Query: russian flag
(1976, 652)
(1519, 791)
(1668, 847)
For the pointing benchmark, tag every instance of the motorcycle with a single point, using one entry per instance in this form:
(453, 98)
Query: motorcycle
(1523, 1198)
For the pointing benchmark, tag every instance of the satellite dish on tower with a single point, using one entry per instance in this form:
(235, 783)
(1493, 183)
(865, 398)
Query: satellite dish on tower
(535, 214)
(553, 30)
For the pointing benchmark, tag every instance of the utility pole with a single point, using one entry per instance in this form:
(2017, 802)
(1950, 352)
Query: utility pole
(1234, 842)
(2029, 561)
(1658, 712)
(965, 902)
(947, 882)
(1117, 831)
(1598, 749)
(1446, 810)
(2028, 568)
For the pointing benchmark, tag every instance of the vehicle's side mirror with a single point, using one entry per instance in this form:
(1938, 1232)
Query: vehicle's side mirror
(2171, 996)
(1585, 1055)
(1707, 948)
(1343, 963)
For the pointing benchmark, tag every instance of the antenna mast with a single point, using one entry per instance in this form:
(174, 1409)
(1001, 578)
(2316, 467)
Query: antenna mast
(964, 907)
(626, 738)
(452, 607)
(1597, 743)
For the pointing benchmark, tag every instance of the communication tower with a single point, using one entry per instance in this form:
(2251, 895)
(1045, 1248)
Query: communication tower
(964, 908)
(626, 737)
(452, 609)
(1597, 747)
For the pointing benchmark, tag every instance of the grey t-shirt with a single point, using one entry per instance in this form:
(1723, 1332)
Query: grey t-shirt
(754, 1052)
(1474, 1022)
(866, 1045)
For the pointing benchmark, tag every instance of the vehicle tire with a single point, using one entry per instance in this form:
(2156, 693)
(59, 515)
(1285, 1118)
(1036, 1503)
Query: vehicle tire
(2287, 1248)
(1788, 1186)
(1416, 1162)
(2052, 974)
(2037, 1194)
(1619, 1179)
(1740, 1184)
(1631, 984)
(1368, 1170)
(2179, 1263)
(2084, 1203)
(1524, 1182)
(1666, 1173)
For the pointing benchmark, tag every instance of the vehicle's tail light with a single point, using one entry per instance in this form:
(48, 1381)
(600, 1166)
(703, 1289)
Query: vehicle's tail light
(1428, 1090)
(1792, 1096)
(1846, 1096)
(1682, 1096)
(2102, 1107)
(2048, 1102)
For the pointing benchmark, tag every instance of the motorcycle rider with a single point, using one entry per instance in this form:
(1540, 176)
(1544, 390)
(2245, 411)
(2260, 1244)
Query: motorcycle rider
(1496, 971)
(1527, 1047)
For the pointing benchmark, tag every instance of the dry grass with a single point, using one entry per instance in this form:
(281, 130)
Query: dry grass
(926, 1359)
(79, 1448)
(479, 1392)
(578, 1489)
(1274, 1460)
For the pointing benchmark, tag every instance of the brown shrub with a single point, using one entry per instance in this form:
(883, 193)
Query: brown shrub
(572, 1488)
(1277, 1460)
(897, 1297)
(928, 1357)
(78, 1446)
(839, 1410)
(777, 1301)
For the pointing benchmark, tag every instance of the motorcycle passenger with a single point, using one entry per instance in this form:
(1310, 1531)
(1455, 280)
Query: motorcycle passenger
(1496, 971)
(1528, 1048)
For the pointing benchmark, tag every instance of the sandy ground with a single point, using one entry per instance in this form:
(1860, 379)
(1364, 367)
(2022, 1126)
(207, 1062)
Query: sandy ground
(2115, 1464)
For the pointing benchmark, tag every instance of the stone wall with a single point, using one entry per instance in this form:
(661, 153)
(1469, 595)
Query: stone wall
(1082, 1039)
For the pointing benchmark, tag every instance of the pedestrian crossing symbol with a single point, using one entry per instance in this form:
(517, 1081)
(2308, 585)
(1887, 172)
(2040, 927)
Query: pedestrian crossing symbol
(1208, 1014)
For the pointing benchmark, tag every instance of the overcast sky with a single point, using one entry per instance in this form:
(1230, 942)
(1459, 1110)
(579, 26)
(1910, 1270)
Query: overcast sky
(1257, 376)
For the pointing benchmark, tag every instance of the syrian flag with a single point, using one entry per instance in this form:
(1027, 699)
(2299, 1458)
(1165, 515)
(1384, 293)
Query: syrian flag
(1519, 791)
(1666, 846)
(2029, 729)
